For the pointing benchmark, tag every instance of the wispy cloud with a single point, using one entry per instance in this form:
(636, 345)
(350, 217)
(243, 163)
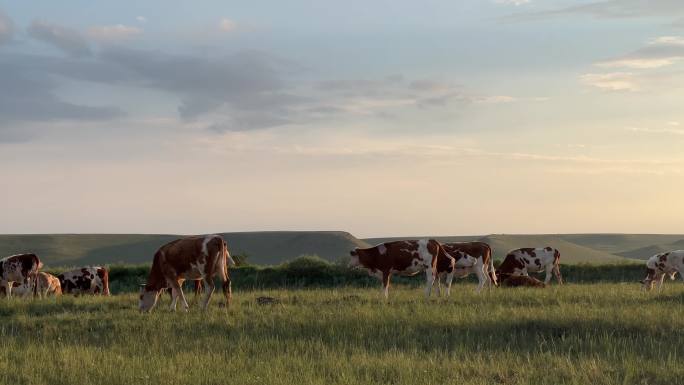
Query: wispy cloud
(512, 2)
(67, 39)
(227, 25)
(614, 81)
(660, 52)
(113, 32)
(6, 28)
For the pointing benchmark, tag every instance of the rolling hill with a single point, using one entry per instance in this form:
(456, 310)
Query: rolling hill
(274, 247)
(261, 247)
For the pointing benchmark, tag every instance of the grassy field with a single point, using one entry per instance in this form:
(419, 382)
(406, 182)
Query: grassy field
(575, 334)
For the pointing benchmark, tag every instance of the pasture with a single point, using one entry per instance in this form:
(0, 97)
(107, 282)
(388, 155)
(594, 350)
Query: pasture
(576, 334)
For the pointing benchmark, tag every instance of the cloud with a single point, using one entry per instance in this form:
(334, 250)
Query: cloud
(227, 25)
(615, 81)
(6, 28)
(660, 52)
(611, 9)
(68, 40)
(664, 130)
(31, 97)
(113, 32)
(512, 2)
(141, 19)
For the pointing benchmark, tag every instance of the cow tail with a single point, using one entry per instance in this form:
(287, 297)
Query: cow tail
(105, 282)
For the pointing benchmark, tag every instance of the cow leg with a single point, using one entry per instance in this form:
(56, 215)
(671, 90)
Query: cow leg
(549, 269)
(174, 298)
(660, 282)
(385, 284)
(439, 284)
(447, 283)
(557, 273)
(481, 275)
(209, 287)
(430, 277)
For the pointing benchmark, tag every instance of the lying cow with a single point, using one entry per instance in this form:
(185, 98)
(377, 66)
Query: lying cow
(529, 260)
(43, 286)
(471, 258)
(20, 269)
(660, 265)
(510, 280)
(86, 280)
(191, 258)
(405, 258)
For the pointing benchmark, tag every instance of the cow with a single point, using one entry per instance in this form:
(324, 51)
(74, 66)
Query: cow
(471, 257)
(190, 258)
(525, 260)
(511, 280)
(405, 258)
(20, 268)
(44, 285)
(660, 265)
(85, 280)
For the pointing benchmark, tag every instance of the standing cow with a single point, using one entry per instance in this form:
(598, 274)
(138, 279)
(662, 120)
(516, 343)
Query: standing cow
(86, 280)
(406, 258)
(471, 257)
(659, 265)
(526, 260)
(21, 268)
(191, 258)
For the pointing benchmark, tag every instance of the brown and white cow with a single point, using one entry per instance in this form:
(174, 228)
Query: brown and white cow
(532, 260)
(471, 258)
(191, 258)
(86, 280)
(44, 285)
(20, 268)
(405, 258)
(511, 280)
(660, 265)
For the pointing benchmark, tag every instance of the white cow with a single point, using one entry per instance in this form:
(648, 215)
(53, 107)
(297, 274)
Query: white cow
(659, 265)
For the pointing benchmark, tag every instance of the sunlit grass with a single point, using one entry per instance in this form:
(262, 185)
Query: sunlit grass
(575, 334)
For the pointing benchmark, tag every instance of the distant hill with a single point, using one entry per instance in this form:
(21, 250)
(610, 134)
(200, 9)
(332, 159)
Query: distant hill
(273, 247)
(261, 247)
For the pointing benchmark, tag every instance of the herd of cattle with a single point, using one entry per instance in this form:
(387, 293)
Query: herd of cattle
(202, 258)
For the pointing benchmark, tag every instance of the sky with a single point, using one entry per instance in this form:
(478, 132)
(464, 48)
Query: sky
(382, 118)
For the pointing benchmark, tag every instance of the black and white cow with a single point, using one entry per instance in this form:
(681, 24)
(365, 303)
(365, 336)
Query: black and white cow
(20, 268)
(86, 280)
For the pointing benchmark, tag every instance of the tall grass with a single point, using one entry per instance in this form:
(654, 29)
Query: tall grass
(574, 334)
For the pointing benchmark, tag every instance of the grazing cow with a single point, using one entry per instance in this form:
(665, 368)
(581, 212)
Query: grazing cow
(404, 258)
(660, 265)
(471, 257)
(525, 260)
(20, 268)
(86, 280)
(191, 258)
(44, 285)
(511, 280)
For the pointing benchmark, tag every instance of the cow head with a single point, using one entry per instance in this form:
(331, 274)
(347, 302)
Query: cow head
(148, 298)
(650, 279)
(354, 260)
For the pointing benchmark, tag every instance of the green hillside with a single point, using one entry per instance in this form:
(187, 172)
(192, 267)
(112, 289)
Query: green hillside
(261, 247)
(277, 246)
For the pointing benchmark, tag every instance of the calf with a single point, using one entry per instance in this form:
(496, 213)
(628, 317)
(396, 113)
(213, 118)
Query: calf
(659, 265)
(471, 257)
(191, 258)
(86, 280)
(525, 260)
(511, 280)
(20, 269)
(404, 258)
(44, 285)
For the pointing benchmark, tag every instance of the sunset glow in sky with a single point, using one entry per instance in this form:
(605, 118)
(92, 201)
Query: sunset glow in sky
(375, 117)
